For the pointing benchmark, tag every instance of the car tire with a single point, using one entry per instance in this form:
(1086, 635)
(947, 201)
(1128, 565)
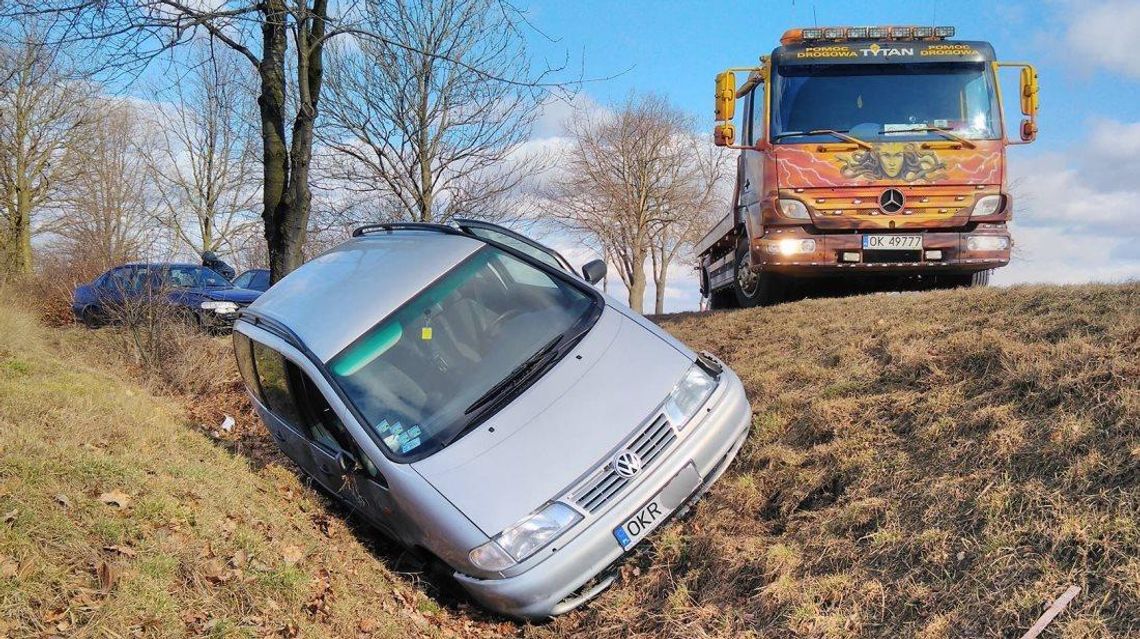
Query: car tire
(751, 287)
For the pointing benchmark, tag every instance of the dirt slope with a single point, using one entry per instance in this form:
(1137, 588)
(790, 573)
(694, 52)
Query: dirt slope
(930, 465)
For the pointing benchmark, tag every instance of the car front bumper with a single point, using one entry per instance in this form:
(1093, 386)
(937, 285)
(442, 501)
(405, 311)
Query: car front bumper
(941, 252)
(546, 589)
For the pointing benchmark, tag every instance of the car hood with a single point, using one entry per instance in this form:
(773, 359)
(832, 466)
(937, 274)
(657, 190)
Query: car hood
(236, 295)
(561, 427)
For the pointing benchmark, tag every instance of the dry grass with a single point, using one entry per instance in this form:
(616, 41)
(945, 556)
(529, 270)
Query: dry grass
(922, 465)
(119, 518)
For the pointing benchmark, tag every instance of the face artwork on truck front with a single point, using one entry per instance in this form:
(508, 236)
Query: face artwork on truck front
(893, 161)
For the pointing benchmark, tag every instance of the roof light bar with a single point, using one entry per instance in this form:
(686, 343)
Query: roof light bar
(809, 34)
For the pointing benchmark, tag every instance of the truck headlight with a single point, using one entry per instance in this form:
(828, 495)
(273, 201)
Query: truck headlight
(689, 395)
(220, 308)
(987, 243)
(987, 205)
(790, 246)
(793, 209)
(525, 537)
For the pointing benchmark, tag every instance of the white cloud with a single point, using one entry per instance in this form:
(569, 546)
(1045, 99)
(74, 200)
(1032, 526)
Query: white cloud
(1076, 215)
(1105, 34)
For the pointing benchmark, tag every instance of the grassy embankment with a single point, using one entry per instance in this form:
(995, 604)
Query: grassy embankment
(922, 465)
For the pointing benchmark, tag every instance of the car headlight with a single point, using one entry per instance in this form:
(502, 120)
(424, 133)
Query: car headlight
(793, 209)
(525, 537)
(987, 205)
(689, 395)
(219, 307)
(987, 243)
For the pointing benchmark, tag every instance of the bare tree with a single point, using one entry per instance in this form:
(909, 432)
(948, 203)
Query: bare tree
(412, 120)
(632, 180)
(283, 39)
(205, 168)
(42, 108)
(107, 213)
(701, 192)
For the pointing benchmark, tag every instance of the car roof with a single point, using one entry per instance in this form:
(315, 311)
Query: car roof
(333, 299)
(157, 264)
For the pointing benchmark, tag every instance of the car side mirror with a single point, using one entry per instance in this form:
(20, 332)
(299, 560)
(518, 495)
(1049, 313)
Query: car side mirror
(594, 271)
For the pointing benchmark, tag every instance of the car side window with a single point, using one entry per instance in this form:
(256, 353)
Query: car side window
(243, 349)
(272, 376)
(261, 280)
(244, 280)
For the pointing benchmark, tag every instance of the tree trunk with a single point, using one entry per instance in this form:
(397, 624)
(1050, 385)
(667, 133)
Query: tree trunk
(275, 154)
(659, 280)
(637, 282)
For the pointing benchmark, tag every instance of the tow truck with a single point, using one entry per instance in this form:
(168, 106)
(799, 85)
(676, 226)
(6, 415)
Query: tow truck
(873, 154)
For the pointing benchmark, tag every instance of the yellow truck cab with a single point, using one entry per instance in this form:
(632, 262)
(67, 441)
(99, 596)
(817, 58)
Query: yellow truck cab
(865, 152)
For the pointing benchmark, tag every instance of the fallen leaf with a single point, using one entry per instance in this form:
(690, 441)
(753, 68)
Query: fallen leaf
(122, 550)
(215, 571)
(240, 559)
(116, 498)
(10, 515)
(8, 568)
(291, 554)
(62, 500)
(108, 574)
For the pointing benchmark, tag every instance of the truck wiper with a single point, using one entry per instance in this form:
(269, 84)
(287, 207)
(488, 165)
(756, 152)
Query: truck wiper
(842, 135)
(969, 144)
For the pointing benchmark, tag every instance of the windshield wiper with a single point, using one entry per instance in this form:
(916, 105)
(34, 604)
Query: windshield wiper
(969, 144)
(519, 374)
(842, 135)
(515, 379)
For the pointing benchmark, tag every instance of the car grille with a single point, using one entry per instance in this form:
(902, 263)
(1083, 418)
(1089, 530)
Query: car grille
(605, 484)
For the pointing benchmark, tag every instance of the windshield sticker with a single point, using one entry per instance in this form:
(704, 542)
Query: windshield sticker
(893, 160)
(876, 51)
(425, 333)
(903, 129)
(409, 445)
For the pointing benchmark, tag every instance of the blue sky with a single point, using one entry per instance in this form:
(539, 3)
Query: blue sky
(1075, 185)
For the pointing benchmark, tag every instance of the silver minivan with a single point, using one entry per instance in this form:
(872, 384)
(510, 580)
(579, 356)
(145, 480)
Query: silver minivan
(467, 393)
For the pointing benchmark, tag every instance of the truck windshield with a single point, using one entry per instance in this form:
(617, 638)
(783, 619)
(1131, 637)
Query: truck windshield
(415, 376)
(883, 101)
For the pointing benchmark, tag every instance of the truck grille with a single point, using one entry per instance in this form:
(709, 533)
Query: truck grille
(605, 484)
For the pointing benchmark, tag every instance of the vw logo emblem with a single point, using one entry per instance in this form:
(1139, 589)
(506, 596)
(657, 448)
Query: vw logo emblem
(892, 201)
(627, 464)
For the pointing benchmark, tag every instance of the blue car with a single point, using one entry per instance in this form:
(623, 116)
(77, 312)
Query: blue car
(255, 279)
(200, 295)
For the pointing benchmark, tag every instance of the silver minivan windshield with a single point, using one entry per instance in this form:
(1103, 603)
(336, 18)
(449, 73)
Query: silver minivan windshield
(439, 363)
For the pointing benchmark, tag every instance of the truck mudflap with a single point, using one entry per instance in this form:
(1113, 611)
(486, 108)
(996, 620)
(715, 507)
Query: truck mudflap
(794, 251)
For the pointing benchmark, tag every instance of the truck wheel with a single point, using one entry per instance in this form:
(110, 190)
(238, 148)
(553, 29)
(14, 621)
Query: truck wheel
(751, 287)
(981, 278)
(722, 299)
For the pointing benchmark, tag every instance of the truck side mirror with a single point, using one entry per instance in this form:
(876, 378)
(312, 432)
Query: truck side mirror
(1028, 130)
(724, 134)
(725, 102)
(594, 271)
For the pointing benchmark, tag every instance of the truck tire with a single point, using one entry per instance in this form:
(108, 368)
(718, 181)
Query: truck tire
(751, 287)
(722, 299)
(965, 280)
(981, 278)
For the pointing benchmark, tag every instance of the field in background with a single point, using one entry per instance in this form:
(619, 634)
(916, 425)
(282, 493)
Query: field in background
(930, 465)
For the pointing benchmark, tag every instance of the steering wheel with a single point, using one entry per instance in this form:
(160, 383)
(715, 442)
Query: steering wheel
(496, 325)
